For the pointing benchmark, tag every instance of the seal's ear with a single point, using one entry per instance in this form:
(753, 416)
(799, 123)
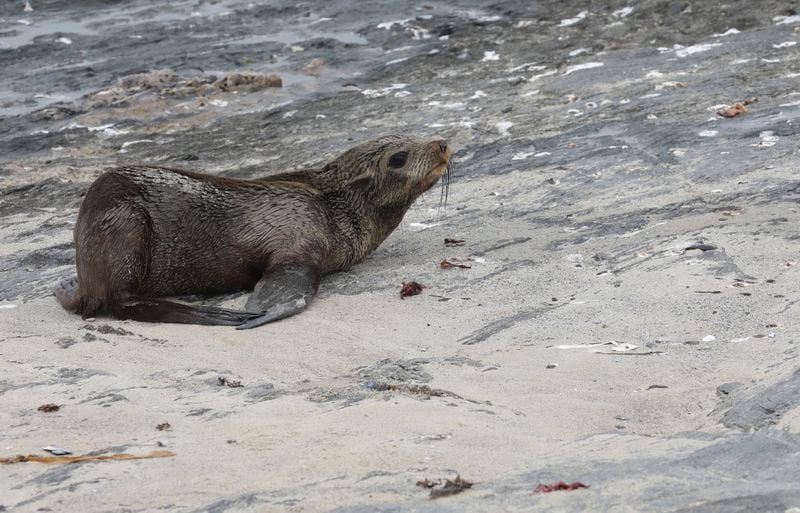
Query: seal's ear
(341, 173)
(360, 180)
(331, 168)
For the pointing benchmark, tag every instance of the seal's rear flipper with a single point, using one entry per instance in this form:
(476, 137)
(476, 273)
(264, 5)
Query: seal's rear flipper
(163, 310)
(66, 293)
(283, 291)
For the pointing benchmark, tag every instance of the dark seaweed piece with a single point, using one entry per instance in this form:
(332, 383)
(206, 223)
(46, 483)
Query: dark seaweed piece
(446, 264)
(559, 486)
(410, 288)
(449, 487)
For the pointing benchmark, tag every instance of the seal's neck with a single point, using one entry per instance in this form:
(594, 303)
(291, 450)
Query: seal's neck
(378, 216)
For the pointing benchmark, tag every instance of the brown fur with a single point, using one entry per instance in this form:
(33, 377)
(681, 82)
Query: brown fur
(147, 232)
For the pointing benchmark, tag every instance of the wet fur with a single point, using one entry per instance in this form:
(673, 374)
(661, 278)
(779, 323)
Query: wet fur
(148, 232)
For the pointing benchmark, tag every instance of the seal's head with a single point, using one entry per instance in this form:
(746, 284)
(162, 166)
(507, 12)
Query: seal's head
(394, 170)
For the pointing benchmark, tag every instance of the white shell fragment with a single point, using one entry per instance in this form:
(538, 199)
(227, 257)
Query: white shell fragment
(56, 450)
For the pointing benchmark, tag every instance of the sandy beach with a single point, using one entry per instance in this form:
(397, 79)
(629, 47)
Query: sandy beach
(633, 254)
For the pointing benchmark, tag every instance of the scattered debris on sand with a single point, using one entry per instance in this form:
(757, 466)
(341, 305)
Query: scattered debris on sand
(56, 450)
(105, 329)
(699, 246)
(559, 486)
(49, 408)
(164, 426)
(446, 264)
(423, 391)
(24, 458)
(247, 81)
(427, 483)
(644, 353)
(454, 242)
(167, 83)
(155, 79)
(731, 111)
(227, 382)
(410, 288)
(449, 487)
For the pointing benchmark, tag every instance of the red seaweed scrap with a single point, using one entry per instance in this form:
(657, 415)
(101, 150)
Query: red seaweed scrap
(446, 264)
(732, 111)
(559, 486)
(410, 288)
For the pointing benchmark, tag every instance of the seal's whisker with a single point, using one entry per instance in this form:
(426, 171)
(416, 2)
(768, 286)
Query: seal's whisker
(449, 179)
(445, 189)
(441, 198)
(448, 176)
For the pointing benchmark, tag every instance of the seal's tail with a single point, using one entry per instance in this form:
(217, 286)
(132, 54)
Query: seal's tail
(164, 310)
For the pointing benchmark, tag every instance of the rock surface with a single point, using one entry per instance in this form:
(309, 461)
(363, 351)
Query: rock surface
(601, 199)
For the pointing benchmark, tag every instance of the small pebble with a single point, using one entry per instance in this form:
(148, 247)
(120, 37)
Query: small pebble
(551, 365)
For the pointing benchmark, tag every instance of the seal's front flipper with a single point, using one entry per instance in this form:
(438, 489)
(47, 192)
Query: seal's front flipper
(283, 291)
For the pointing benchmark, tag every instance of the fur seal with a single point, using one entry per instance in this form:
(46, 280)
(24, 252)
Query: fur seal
(144, 233)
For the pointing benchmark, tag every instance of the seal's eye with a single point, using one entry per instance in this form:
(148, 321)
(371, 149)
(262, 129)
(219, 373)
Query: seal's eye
(398, 160)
